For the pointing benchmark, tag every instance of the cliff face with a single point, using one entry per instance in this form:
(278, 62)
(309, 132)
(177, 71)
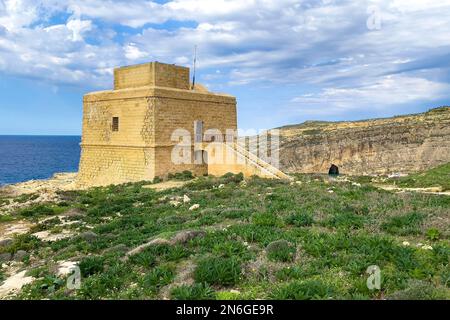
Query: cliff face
(401, 144)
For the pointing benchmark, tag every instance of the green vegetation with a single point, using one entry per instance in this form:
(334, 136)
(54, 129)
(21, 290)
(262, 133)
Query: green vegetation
(281, 251)
(437, 177)
(303, 290)
(218, 271)
(182, 176)
(408, 224)
(193, 292)
(262, 239)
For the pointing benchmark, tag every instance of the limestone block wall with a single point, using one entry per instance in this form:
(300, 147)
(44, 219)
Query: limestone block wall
(151, 74)
(176, 109)
(110, 157)
(164, 165)
(100, 166)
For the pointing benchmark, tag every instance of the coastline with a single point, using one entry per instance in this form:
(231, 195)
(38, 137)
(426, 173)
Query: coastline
(59, 181)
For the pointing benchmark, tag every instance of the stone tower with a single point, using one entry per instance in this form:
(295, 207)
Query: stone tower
(129, 133)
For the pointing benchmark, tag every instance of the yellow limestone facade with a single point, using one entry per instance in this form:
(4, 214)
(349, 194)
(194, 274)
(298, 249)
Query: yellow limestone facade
(130, 133)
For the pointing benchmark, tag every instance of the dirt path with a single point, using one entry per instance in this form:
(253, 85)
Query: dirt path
(432, 190)
(14, 283)
(184, 276)
(166, 185)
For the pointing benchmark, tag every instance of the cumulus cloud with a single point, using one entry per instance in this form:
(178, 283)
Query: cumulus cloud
(132, 52)
(386, 92)
(324, 44)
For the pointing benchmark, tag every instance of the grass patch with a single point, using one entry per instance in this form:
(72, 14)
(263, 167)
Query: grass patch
(91, 265)
(181, 176)
(303, 290)
(281, 251)
(41, 210)
(300, 219)
(436, 177)
(408, 224)
(196, 291)
(218, 271)
(159, 277)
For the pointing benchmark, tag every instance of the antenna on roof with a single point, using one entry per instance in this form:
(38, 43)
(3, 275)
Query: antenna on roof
(195, 67)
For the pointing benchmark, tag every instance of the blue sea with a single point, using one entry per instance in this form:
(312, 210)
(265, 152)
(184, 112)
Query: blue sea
(24, 158)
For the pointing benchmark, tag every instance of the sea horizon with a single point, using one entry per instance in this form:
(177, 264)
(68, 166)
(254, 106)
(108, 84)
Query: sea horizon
(35, 157)
(40, 135)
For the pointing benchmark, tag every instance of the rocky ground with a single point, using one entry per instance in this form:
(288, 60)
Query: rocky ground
(224, 238)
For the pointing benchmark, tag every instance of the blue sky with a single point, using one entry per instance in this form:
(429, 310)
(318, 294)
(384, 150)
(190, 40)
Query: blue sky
(286, 61)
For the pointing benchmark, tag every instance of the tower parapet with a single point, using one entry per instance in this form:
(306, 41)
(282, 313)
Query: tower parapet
(153, 74)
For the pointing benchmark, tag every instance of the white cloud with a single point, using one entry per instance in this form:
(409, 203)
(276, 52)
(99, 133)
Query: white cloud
(382, 95)
(78, 27)
(134, 53)
(323, 44)
(17, 13)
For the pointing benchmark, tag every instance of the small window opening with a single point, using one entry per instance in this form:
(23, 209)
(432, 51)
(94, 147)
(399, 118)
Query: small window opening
(115, 124)
(198, 129)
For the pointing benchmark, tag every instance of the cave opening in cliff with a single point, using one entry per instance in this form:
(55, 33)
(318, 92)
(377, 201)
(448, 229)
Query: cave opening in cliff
(334, 170)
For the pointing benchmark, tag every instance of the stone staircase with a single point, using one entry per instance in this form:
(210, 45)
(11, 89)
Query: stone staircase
(251, 159)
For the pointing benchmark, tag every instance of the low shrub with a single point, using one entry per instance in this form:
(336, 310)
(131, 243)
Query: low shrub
(266, 219)
(300, 219)
(158, 277)
(346, 220)
(218, 271)
(40, 210)
(433, 234)
(181, 176)
(419, 290)
(281, 251)
(230, 177)
(196, 291)
(303, 290)
(408, 224)
(91, 265)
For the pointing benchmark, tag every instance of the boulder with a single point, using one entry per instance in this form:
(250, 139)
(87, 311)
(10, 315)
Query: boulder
(194, 207)
(120, 248)
(20, 255)
(89, 236)
(186, 236)
(74, 213)
(5, 242)
(5, 257)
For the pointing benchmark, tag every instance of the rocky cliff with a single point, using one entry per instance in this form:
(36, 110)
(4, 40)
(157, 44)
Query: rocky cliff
(400, 144)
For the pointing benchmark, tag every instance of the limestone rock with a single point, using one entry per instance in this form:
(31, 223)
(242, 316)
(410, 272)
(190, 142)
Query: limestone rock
(180, 238)
(20, 255)
(120, 248)
(402, 144)
(154, 242)
(74, 213)
(5, 257)
(89, 236)
(175, 203)
(194, 207)
(186, 236)
(5, 242)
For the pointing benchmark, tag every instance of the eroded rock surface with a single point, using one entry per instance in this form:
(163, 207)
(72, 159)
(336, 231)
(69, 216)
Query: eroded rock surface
(381, 146)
